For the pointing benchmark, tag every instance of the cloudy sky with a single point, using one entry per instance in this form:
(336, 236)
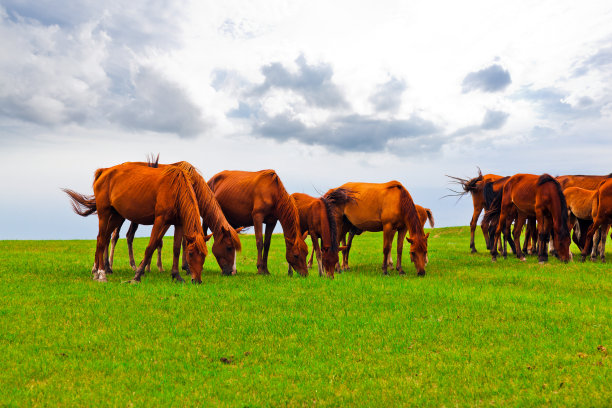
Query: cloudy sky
(324, 92)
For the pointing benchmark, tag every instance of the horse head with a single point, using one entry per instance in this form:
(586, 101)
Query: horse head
(196, 254)
(418, 252)
(224, 249)
(297, 252)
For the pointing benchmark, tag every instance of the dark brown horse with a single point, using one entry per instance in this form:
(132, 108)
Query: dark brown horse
(387, 207)
(602, 216)
(526, 195)
(475, 186)
(257, 198)
(317, 216)
(582, 206)
(144, 195)
(226, 240)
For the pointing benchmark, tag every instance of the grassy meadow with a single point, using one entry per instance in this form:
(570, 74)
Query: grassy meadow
(471, 333)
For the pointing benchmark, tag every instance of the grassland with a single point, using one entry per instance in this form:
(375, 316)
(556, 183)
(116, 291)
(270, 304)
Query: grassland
(471, 333)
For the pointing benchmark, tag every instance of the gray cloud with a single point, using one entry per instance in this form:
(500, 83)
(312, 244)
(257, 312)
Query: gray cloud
(388, 96)
(312, 82)
(602, 59)
(494, 120)
(492, 79)
(63, 68)
(551, 102)
(348, 133)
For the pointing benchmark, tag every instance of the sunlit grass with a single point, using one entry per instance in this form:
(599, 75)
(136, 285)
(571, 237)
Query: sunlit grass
(469, 333)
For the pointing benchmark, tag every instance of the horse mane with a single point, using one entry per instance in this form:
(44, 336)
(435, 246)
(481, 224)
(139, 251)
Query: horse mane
(409, 210)
(209, 207)
(331, 219)
(187, 203)
(285, 210)
(547, 178)
(340, 196)
(469, 185)
(151, 162)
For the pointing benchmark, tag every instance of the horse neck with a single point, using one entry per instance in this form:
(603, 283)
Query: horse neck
(555, 210)
(287, 214)
(411, 217)
(210, 210)
(187, 206)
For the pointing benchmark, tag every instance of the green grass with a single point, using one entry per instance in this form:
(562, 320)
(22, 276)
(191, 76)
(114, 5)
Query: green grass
(471, 333)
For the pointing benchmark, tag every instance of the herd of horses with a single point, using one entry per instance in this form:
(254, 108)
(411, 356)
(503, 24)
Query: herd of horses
(549, 206)
(165, 195)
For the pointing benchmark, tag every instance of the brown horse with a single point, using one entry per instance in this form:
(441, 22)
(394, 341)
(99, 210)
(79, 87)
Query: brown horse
(254, 198)
(530, 195)
(144, 195)
(387, 207)
(317, 216)
(582, 207)
(602, 216)
(226, 240)
(475, 186)
(424, 215)
(582, 181)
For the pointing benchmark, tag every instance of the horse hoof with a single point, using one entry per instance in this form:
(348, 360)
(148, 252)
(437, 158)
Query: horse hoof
(542, 262)
(178, 278)
(474, 250)
(401, 272)
(494, 260)
(522, 259)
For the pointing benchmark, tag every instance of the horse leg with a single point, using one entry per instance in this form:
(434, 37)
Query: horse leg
(316, 249)
(473, 224)
(176, 253)
(516, 235)
(349, 244)
(113, 244)
(267, 240)
(596, 241)
(602, 241)
(157, 233)
(108, 221)
(312, 253)
(543, 236)
(130, 240)
(401, 234)
(259, 242)
(160, 267)
(388, 233)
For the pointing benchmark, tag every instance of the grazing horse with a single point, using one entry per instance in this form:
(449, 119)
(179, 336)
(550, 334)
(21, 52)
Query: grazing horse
(424, 215)
(540, 196)
(388, 207)
(475, 186)
(602, 215)
(254, 198)
(144, 195)
(317, 216)
(226, 240)
(582, 206)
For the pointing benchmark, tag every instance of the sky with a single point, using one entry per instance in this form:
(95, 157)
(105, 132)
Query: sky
(323, 92)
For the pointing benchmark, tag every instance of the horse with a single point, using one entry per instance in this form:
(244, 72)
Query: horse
(144, 195)
(387, 207)
(317, 216)
(425, 214)
(527, 195)
(254, 198)
(475, 186)
(581, 204)
(226, 240)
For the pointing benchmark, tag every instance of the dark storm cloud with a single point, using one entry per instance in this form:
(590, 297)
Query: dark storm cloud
(494, 120)
(492, 79)
(347, 133)
(312, 82)
(81, 67)
(388, 96)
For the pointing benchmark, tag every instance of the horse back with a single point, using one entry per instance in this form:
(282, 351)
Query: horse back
(375, 204)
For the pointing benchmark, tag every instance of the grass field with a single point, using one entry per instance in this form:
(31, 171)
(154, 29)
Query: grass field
(471, 333)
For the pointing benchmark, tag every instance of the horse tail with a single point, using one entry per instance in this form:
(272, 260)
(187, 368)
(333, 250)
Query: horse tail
(81, 204)
(430, 217)
(547, 178)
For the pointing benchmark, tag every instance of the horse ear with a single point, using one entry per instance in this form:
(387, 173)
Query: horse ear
(427, 235)
(206, 238)
(342, 248)
(409, 240)
(304, 235)
(238, 230)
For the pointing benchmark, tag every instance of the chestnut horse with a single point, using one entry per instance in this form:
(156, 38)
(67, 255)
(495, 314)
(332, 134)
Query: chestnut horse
(475, 186)
(144, 195)
(387, 207)
(317, 216)
(581, 204)
(424, 215)
(226, 240)
(602, 216)
(254, 198)
(527, 195)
